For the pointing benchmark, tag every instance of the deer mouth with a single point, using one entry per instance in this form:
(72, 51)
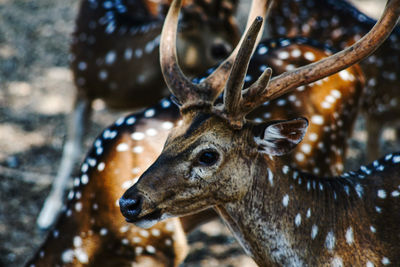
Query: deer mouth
(147, 220)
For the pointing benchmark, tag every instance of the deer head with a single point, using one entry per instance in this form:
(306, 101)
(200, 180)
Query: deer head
(210, 158)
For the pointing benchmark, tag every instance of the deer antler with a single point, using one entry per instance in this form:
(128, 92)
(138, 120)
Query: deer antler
(234, 85)
(288, 81)
(205, 93)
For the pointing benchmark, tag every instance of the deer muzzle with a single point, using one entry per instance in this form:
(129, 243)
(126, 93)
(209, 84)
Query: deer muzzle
(130, 204)
(133, 207)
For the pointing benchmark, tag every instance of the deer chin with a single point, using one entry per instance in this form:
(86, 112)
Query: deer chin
(147, 220)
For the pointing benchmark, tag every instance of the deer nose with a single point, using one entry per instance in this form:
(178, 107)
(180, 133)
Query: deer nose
(130, 205)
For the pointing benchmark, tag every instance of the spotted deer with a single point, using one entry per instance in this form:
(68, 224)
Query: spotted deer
(328, 21)
(114, 57)
(90, 231)
(124, 150)
(281, 216)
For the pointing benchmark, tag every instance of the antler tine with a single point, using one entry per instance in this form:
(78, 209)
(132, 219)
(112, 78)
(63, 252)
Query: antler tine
(177, 82)
(255, 90)
(234, 85)
(288, 81)
(216, 81)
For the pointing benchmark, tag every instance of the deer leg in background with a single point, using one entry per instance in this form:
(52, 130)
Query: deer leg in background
(72, 153)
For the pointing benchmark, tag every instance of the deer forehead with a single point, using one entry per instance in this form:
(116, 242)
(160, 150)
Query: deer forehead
(199, 129)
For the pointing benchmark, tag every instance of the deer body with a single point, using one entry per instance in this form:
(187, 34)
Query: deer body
(115, 47)
(329, 21)
(219, 158)
(292, 228)
(90, 231)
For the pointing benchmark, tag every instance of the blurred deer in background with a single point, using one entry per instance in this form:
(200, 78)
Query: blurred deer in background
(114, 57)
(340, 24)
(124, 150)
(281, 216)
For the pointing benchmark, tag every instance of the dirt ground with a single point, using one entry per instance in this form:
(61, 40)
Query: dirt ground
(36, 93)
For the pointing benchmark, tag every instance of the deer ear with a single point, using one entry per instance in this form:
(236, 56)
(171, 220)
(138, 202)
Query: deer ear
(279, 138)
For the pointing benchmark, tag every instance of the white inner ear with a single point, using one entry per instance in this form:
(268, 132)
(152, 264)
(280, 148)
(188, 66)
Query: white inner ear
(277, 140)
(271, 134)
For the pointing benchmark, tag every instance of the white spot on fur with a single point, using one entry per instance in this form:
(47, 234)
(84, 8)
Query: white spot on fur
(149, 113)
(137, 136)
(101, 166)
(285, 201)
(306, 148)
(138, 149)
(150, 249)
(285, 169)
(309, 56)
(67, 256)
(144, 233)
(128, 54)
(110, 57)
(139, 250)
(314, 231)
(103, 75)
(77, 241)
(283, 55)
(167, 125)
(151, 132)
(349, 236)
(385, 261)
(270, 177)
(122, 147)
(124, 229)
(337, 262)
(313, 137)
(317, 119)
(81, 255)
(297, 220)
(300, 156)
(136, 239)
(78, 206)
(330, 241)
(296, 53)
(382, 193)
(359, 190)
(347, 76)
(308, 215)
(155, 232)
(103, 231)
(84, 179)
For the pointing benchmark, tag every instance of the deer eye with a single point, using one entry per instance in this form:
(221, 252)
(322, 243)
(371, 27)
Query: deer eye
(207, 158)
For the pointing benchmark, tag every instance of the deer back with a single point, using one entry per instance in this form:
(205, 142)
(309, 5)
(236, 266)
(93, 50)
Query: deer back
(90, 231)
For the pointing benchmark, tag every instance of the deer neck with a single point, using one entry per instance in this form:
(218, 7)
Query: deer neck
(289, 218)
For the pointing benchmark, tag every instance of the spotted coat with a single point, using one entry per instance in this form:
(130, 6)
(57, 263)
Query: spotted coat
(339, 24)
